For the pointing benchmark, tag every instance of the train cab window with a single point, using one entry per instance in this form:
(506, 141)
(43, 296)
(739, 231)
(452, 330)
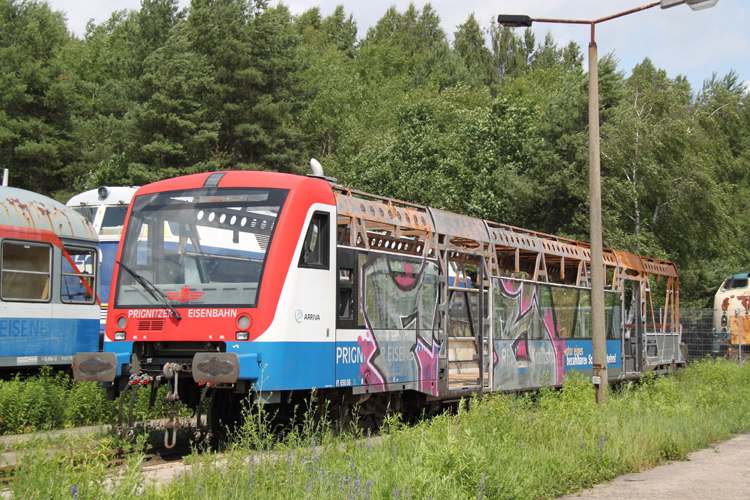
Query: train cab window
(26, 271)
(88, 212)
(315, 248)
(734, 283)
(78, 284)
(113, 220)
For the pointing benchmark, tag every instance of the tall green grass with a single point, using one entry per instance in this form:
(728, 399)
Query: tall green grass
(53, 400)
(539, 445)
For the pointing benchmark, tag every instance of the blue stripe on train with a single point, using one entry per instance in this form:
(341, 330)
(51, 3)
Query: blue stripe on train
(579, 354)
(48, 337)
(283, 365)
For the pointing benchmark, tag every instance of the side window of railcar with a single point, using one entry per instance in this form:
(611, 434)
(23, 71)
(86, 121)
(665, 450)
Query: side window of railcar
(26, 271)
(315, 249)
(78, 284)
(583, 319)
(612, 315)
(460, 318)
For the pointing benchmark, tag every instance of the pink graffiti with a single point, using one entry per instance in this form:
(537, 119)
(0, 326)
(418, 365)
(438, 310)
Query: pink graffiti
(527, 302)
(427, 357)
(521, 350)
(408, 279)
(510, 288)
(370, 374)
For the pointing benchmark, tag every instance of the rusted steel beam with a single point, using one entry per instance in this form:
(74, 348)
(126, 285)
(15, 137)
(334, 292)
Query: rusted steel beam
(503, 248)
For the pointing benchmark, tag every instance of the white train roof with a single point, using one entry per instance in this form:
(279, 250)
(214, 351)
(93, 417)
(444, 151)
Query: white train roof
(27, 210)
(116, 195)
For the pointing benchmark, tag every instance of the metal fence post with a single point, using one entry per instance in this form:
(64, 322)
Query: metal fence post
(739, 336)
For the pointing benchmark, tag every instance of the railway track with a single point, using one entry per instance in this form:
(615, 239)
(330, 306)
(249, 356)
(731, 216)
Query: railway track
(114, 459)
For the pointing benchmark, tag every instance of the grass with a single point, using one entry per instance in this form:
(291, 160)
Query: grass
(53, 400)
(539, 445)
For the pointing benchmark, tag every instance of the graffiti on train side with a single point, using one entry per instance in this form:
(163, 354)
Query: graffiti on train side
(398, 301)
(528, 352)
(543, 330)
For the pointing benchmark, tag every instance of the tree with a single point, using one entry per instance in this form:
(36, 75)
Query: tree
(37, 139)
(341, 31)
(510, 52)
(169, 133)
(256, 82)
(658, 174)
(468, 42)
(397, 46)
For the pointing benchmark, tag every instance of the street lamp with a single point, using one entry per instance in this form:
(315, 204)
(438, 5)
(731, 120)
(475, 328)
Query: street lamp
(599, 336)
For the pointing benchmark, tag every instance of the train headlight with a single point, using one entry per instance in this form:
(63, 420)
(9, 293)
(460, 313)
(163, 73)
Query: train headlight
(122, 322)
(243, 335)
(244, 322)
(119, 335)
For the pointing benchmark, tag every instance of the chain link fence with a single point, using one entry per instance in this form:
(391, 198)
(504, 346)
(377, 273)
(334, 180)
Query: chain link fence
(699, 335)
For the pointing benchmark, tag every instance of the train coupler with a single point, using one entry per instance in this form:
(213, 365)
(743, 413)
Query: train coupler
(198, 434)
(171, 371)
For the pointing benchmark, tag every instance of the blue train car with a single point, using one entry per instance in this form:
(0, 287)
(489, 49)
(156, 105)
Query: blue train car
(49, 275)
(105, 208)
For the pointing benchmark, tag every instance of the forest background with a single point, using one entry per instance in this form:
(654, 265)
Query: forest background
(488, 124)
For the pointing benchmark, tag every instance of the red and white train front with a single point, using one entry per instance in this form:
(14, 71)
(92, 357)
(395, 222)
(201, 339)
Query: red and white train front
(226, 277)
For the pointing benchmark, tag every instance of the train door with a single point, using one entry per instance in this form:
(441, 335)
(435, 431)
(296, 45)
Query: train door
(349, 356)
(469, 343)
(311, 325)
(634, 328)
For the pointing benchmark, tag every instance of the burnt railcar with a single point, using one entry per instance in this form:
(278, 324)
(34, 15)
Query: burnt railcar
(274, 285)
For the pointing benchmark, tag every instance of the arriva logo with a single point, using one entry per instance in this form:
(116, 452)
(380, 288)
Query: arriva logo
(300, 316)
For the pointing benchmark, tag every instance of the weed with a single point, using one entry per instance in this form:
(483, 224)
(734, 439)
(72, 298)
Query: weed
(52, 400)
(536, 446)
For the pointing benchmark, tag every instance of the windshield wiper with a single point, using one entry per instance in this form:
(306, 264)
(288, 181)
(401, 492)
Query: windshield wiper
(152, 289)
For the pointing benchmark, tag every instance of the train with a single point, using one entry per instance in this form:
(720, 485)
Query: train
(276, 287)
(49, 263)
(732, 314)
(105, 208)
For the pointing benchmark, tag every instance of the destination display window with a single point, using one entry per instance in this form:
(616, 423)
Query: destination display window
(26, 271)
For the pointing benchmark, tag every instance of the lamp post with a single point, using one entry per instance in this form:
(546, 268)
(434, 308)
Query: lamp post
(599, 336)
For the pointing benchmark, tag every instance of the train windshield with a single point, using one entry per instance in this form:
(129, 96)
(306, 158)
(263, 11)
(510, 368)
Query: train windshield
(734, 283)
(113, 220)
(202, 247)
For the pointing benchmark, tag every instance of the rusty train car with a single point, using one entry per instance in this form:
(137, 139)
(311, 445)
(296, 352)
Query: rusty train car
(274, 285)
(732, 315)
(49, 278)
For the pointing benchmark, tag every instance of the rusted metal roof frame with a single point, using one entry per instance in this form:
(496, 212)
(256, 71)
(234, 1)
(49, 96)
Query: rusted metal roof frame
(31, 211)
(492, 240)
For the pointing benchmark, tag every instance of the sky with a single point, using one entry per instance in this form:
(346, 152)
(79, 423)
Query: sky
(681, 41)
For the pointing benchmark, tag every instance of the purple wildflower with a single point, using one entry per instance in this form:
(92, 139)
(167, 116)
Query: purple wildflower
(482, 487)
